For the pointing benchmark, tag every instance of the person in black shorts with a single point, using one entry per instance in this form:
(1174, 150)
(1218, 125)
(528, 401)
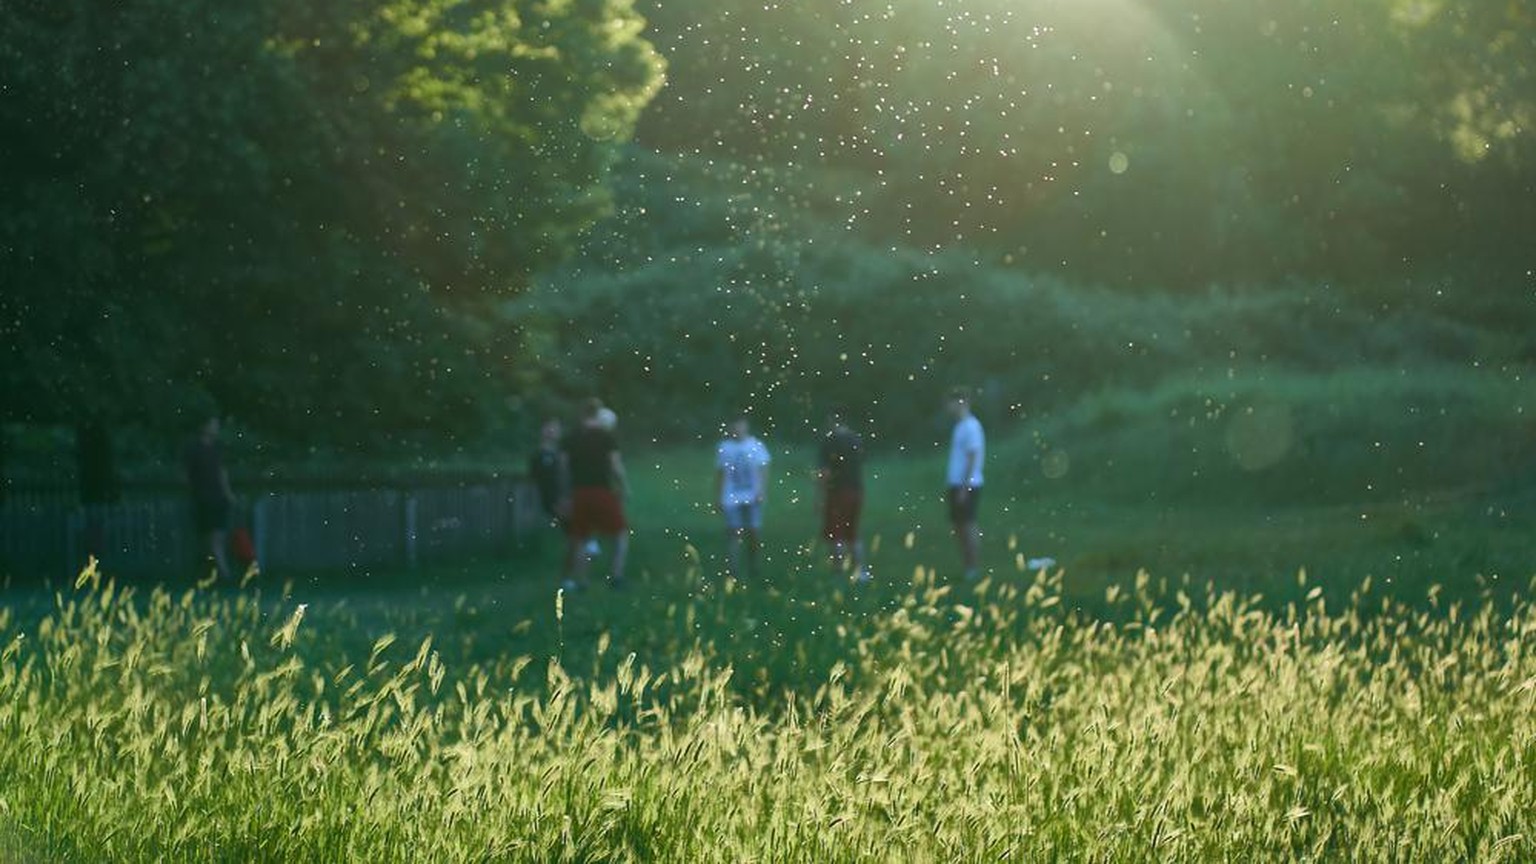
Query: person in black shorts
(595, 505)
(963, 477)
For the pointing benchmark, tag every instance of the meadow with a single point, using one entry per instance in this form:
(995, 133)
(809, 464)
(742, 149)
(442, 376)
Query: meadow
(1244, 292)
(1091, 712)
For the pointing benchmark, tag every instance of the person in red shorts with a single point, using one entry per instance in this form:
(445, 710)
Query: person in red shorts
(596, 504)
(840, 484)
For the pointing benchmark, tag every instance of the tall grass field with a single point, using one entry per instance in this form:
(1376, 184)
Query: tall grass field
(479, 714)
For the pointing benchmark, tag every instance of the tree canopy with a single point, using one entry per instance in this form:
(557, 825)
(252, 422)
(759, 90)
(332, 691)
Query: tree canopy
(1175, 143)
(294, 211)
(312, 214)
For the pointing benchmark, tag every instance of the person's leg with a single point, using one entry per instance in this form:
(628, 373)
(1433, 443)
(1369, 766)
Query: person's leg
(576, 535)
(844, 527)
(575, 561)
(753, 518)
(832, 529)
(973, 532)
(962, 517)
(855, 512)
(620, 551)
(733, 542)
(836, 552)
(752, 545)
(957, 522)
(970, 547)
(217, 547)
(829, 533)
(735, 531)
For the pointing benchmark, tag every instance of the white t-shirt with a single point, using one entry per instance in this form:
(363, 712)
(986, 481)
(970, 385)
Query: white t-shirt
(967, 438)
(739, 462)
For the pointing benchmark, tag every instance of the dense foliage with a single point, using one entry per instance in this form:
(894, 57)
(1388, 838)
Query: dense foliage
(316, 216)
(865, 205)
(760, 301)
(294, 210)
(1169, 143)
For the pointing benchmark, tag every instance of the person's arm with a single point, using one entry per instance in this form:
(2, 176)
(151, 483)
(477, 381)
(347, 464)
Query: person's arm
(620, 480)
(762, 473)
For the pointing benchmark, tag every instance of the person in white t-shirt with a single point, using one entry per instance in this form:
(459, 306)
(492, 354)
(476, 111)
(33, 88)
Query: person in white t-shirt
(741, 485)
(967, 452)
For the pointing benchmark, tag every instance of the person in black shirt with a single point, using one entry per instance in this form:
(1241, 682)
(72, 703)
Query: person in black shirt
(595, 505)
(212, 500)
(840, 487)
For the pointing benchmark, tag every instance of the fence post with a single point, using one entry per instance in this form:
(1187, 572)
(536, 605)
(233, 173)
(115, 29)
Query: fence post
(410, 530)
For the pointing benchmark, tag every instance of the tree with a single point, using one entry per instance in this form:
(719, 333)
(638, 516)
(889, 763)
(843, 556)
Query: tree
(298, 212)
(1176, 143)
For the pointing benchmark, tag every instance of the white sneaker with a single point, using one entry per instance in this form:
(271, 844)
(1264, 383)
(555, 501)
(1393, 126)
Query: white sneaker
(1039, 563)
(861, 575)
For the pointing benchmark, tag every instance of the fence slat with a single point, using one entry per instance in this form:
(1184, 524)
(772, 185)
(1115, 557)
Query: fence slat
(151, 535)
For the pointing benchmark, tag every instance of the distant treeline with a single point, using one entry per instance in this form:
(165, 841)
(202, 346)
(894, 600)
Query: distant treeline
(692, 303)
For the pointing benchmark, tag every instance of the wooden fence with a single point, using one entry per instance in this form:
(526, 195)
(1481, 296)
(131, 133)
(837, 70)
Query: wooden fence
(150, 533)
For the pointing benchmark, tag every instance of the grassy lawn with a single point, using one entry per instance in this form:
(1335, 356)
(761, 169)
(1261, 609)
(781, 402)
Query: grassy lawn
(475, 713)
(1459, 546)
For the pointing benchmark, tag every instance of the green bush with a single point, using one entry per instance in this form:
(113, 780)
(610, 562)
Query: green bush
(694, 303)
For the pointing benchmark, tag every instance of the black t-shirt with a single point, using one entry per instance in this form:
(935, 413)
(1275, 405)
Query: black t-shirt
(544, 470)
(588, 449)
(842, 456)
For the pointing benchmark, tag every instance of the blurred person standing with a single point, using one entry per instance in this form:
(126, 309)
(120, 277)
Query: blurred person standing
(963, 477)
(212, 500)
(840, 489)
(98, 481)
(546, 469)
(595, 506)
(741, 488)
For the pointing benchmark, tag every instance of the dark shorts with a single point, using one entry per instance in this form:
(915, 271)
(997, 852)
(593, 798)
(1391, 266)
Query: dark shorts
(595, 510)
(210, 516)
(963, 513)
(743, 517)
(840, 519)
